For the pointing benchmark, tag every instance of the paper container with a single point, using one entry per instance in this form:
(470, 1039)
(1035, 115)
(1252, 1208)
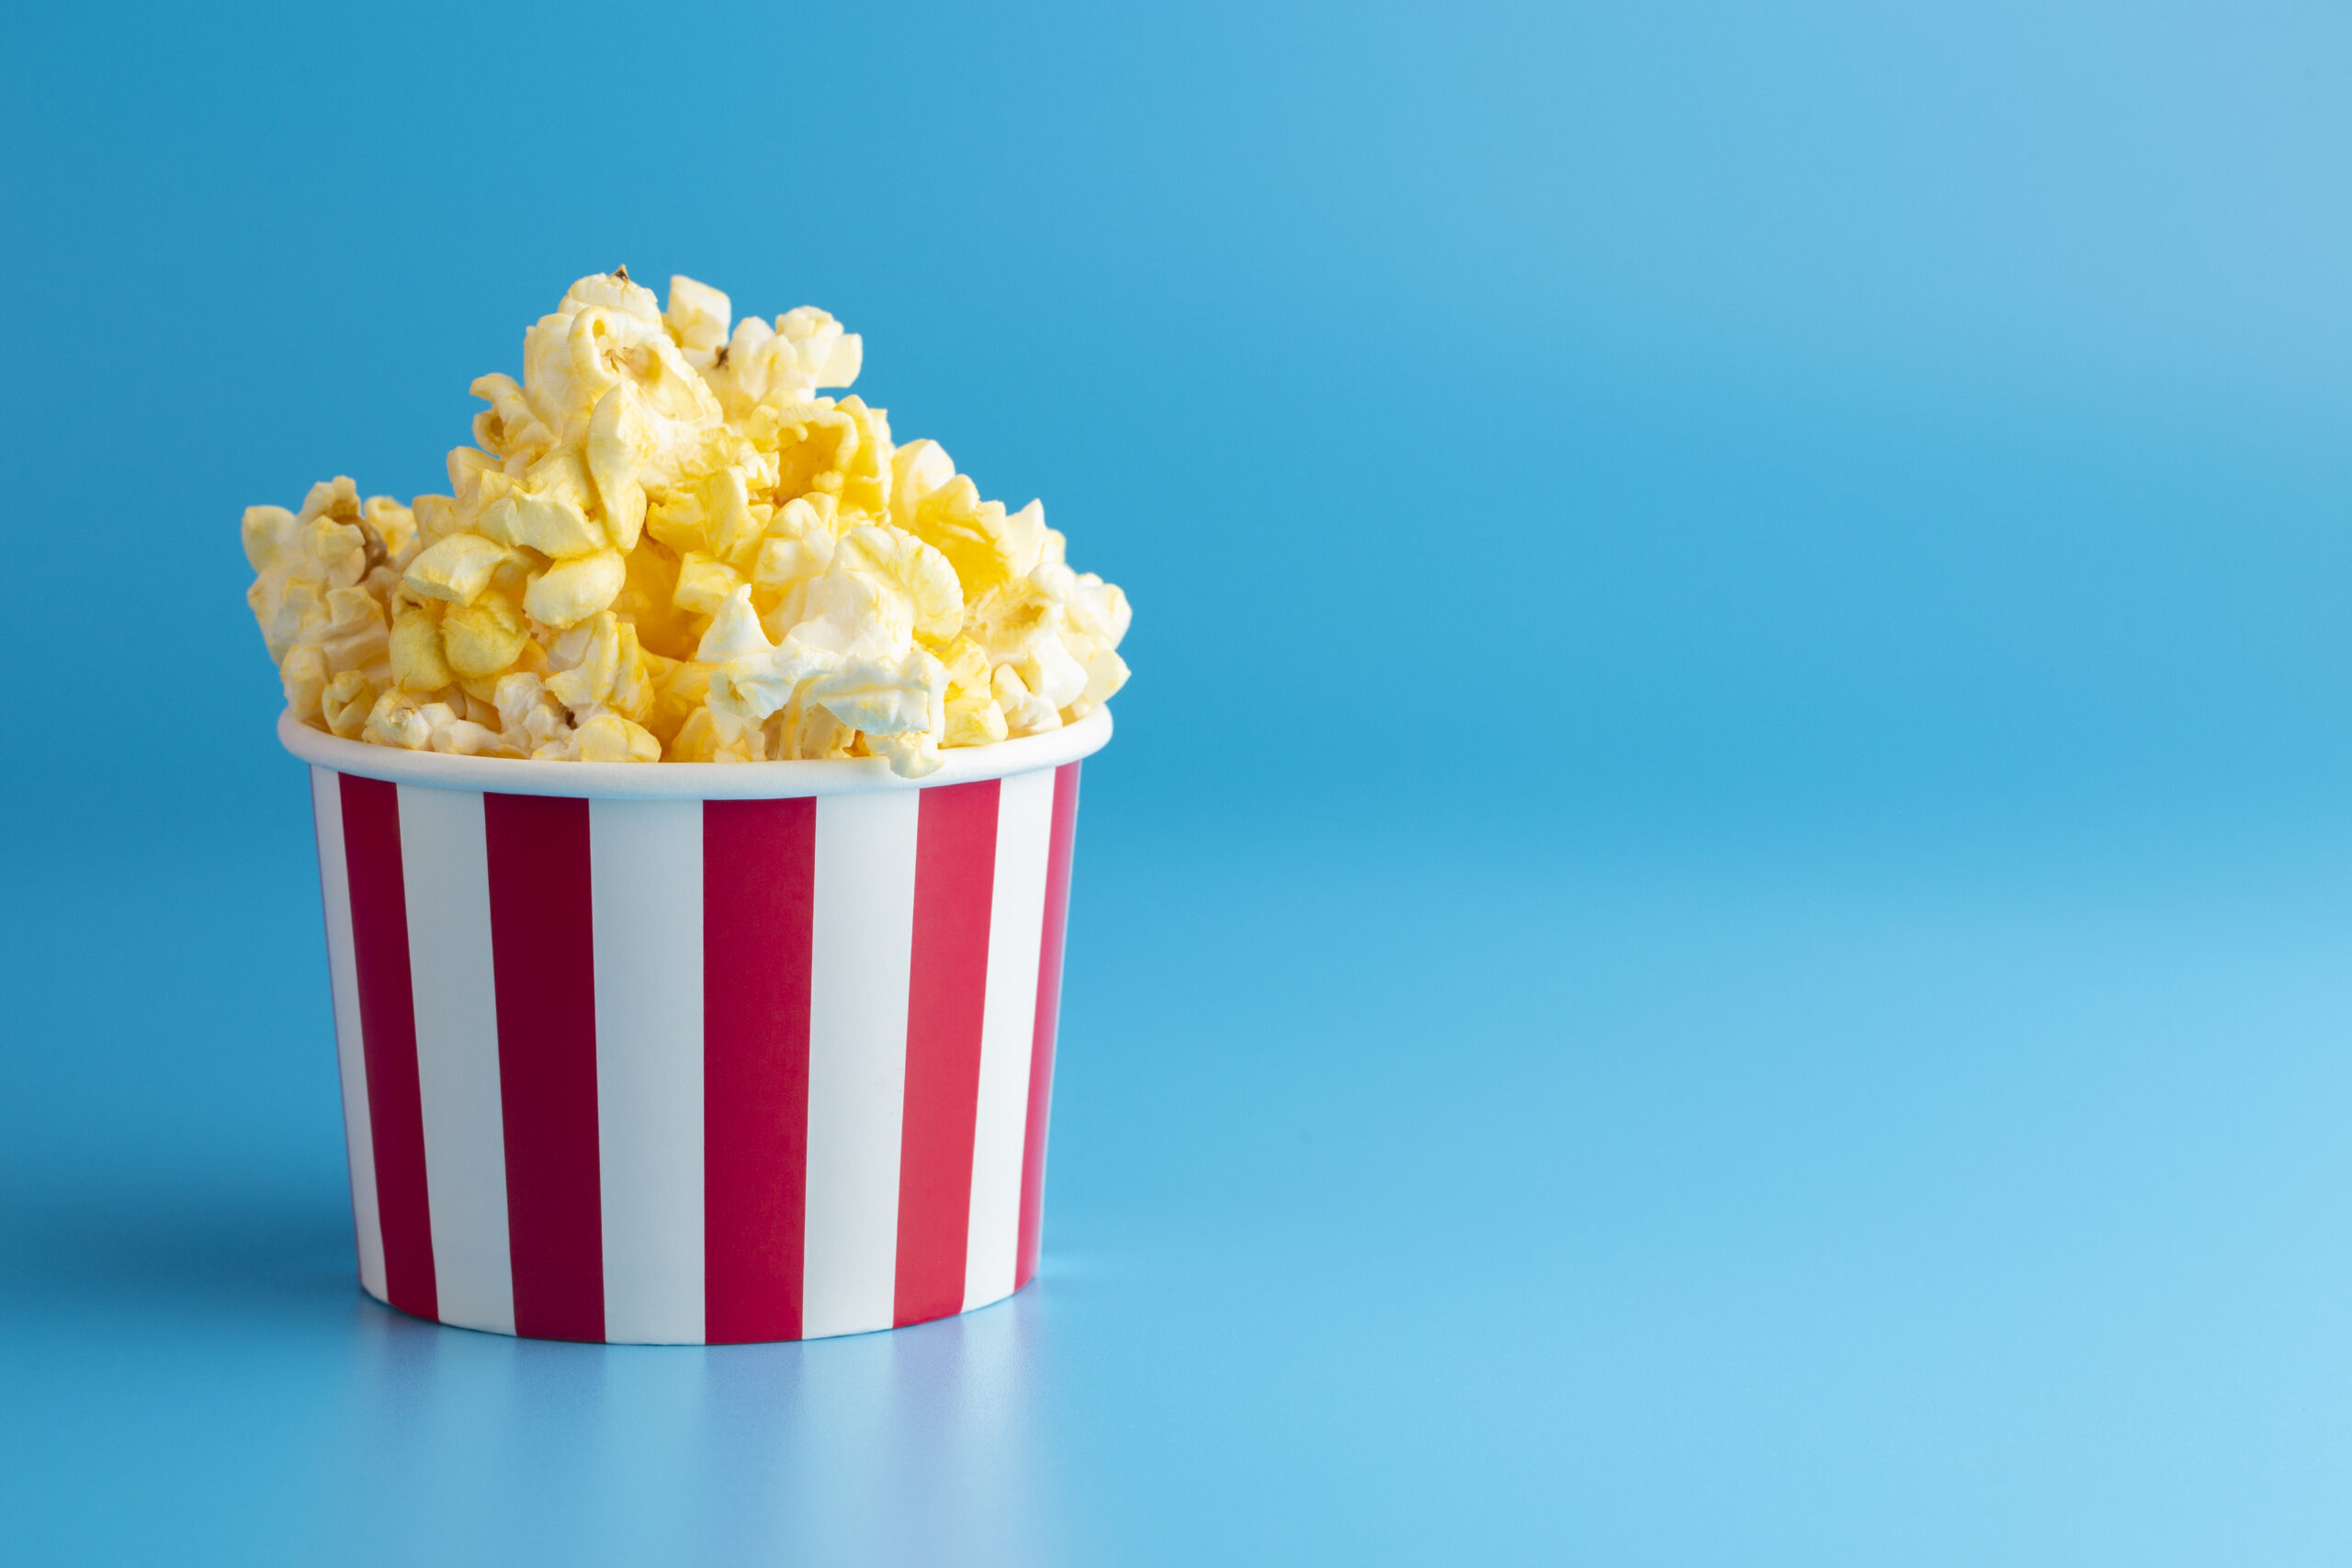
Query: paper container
(695, 1052)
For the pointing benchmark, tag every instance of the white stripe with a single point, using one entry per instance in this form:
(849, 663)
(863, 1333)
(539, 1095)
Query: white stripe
(350, 1050)
(1024, 831)
(445, 867)
(859, 959)
(646, 859)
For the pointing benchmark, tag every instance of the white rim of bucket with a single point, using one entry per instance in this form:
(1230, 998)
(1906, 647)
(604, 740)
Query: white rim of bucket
(690, 780)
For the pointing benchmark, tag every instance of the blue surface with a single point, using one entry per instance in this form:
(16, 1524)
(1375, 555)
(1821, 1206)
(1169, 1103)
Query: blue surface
(1716, 929)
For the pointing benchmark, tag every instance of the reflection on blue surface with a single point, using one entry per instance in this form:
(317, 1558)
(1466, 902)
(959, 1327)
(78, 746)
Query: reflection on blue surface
(217, 1351)
(901, 1447)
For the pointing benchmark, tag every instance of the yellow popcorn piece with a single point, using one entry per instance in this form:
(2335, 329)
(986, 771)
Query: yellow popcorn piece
(712, 735)
(715, 517)
(1014, 619)
(696, 741)
(803, 732)
(917, 585)
(799, 544)
(510, 427)
(679, 535)
(398, 720)
(548, 510)
(918, 470)
(455, 568)
(1095, 617)
(731, 523)
(986, 544)
(679, 691)
(674, 519)
(347, 702)
(301, 560)
(598, 666)
(269, 535)
(464, 737)
(973, 715)
(436, 517)
(913, 754)
(485, 637)
(1105, 674)
(608, 334)
(572, 354)
(355, 635)
(418, 664)
(570, 591)
(748, 681)
(620, 454)
(648, 600)
(529, 717)
(854, 655)
(697, 318)
(337, 498)
(705, 583)
(1024, 711)
(635, 673)
(783, 363)
(1098, 609)
(882, 698)
(837, 449)
(304, 676)
(475, 480)
(393, 525)
(608, 737)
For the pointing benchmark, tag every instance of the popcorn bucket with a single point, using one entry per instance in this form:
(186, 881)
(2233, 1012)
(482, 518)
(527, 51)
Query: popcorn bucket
(695, 1052)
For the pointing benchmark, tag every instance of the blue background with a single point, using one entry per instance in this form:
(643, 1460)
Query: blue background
(1716, 931)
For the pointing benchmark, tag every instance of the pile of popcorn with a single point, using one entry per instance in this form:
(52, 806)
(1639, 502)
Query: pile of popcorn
(665, 545)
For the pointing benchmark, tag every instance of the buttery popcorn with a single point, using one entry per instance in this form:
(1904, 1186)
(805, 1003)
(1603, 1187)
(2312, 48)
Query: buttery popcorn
(669, 542)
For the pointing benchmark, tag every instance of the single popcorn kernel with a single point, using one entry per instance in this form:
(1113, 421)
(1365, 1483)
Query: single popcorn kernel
(679, 537)
(608, 737)
(456, 568)
(571, 590)
(417, 661)
(349, 698)
(398, 720)
(485, 637)
(705, 583)
(304, 674)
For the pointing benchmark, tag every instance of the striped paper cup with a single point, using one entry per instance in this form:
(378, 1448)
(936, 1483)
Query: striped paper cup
(695, 1052)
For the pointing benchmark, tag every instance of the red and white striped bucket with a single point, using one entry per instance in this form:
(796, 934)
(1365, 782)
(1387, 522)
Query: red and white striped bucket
(695, 1052)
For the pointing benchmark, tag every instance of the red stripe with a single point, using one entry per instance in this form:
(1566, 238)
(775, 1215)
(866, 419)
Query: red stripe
(759, 904)
(371, 854)
(1049, 1009)
(946, 993)
(541, 939)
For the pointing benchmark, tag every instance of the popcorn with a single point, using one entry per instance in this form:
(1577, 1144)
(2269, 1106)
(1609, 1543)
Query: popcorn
(570, 591)
(456, 568)
(548, 510)
(312, 595)
(485, 637)
(510, 427)
(347, 702)
(805, 350)
(837, 449)
(697, 318)
(418, 663)
(680, 537)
